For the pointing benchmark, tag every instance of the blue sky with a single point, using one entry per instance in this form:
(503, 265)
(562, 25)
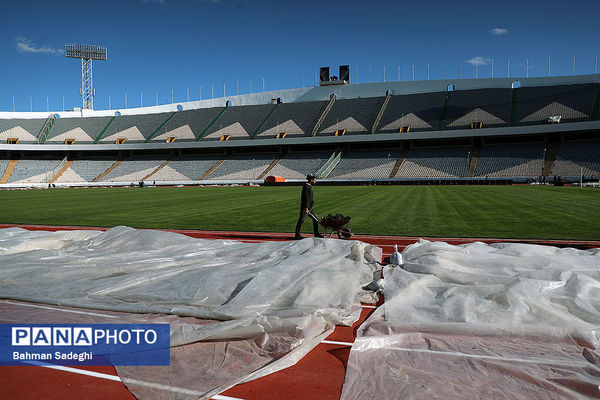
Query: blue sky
(155, 46)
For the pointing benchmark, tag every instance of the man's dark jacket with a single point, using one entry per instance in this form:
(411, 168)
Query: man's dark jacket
(306, 200)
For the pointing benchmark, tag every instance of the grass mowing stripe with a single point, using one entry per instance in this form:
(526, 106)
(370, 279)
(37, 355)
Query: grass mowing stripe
(448, 211)
(458, 204)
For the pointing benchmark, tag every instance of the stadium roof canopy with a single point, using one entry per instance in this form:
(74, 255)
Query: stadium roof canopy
(349, 91)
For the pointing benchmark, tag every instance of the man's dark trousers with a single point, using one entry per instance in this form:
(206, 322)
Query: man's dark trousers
(301, 221)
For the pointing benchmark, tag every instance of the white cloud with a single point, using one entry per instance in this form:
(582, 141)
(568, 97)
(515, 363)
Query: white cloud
(479, 61)
(498, 31)
(25, 46)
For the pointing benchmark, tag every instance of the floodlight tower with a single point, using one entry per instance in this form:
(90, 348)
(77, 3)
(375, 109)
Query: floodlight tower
(87, 53)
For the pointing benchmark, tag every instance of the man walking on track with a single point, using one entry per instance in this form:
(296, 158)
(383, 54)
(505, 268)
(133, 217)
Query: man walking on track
(306, 205)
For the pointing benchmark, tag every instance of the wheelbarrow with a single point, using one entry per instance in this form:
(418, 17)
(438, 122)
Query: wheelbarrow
(335, 223)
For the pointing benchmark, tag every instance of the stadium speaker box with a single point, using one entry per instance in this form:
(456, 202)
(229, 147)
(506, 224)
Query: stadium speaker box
(344, 73)
(324, 74)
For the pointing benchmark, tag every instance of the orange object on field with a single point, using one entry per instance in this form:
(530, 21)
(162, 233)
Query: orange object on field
(274, 178)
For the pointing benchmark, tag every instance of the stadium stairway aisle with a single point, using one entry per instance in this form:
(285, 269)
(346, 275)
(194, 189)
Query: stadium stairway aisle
(61, 171)
(9, 170)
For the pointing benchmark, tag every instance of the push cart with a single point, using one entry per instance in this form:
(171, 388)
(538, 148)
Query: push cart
(336, 223)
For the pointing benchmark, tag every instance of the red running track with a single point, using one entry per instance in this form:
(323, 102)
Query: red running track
(318, 375)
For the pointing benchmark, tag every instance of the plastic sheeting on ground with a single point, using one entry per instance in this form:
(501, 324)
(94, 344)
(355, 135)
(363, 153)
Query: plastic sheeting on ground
(237, 311)
(477, 321)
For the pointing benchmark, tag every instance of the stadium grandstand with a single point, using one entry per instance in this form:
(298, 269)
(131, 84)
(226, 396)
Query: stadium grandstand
(440, 131)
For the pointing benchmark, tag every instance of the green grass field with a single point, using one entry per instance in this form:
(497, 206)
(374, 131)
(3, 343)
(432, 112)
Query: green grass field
(430, 211)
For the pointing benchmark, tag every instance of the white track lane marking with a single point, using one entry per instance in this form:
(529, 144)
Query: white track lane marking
(365, 306)
(334, 342)
(76, 371)
(484, 357)
(60, 309)
(131, 381)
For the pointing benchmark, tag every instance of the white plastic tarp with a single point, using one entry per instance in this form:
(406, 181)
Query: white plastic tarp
(477, 321)
(237, 310)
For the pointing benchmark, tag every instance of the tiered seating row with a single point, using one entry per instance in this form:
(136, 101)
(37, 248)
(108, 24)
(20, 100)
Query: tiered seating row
(518, 160)
(186, 168)
(243, 166)
(511, 160)
(87, 169)
(80, 129)
(133, 170)
(419, 111)
(367, 164)
(187, 125)
(425, 111)
(489, 106)
(441, 162)
(38, 170)
(295, 119)
(135, 128)
(573, 156)
(298, 165)
(356, 116)
(239, 122)
(26, 130)
(571, 102)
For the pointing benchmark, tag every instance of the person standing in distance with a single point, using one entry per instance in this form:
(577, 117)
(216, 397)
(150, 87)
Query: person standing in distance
(306, 205)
